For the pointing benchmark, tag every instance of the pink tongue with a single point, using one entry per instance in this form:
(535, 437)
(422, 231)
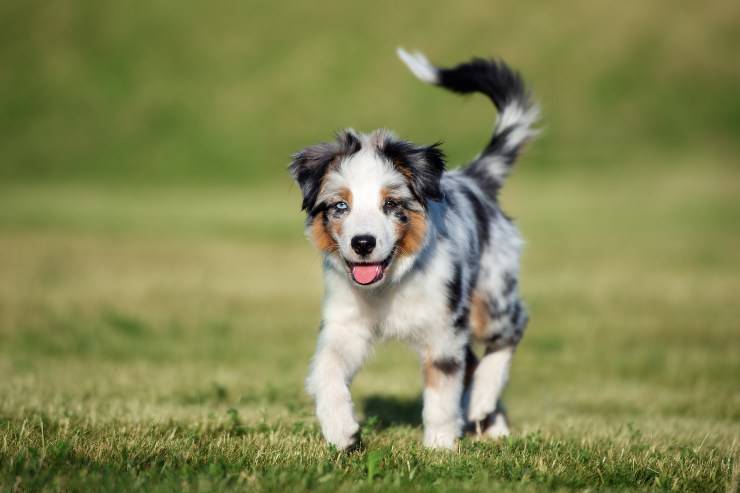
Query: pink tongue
(365, 274)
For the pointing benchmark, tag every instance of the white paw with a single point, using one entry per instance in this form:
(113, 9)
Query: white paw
(499, 428)
(342, 432)
(480, 408)
(440, 439)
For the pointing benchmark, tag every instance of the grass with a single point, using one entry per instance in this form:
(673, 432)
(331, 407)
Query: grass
(159, 305)
(158, 339)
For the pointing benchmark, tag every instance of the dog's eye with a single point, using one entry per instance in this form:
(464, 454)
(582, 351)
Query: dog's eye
(341, 206)
(390, 204)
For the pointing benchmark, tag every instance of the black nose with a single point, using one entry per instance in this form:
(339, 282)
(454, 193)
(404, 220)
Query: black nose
(363, 244)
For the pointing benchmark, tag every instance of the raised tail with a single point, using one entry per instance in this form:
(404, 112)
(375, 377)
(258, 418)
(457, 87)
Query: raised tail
(517, 113)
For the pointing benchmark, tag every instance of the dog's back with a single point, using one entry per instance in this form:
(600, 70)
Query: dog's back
(485, 286)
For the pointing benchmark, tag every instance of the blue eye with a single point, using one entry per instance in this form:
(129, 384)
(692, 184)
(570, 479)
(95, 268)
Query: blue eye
(341, 206)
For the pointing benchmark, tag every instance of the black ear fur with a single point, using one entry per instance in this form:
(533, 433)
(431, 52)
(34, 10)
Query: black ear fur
(310, 165)
(421, 165)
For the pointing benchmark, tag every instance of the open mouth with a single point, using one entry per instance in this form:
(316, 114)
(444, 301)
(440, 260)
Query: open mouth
(368, 273)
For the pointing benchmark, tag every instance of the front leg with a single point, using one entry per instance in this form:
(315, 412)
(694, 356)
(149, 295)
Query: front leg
(443, 387)
(340, 353)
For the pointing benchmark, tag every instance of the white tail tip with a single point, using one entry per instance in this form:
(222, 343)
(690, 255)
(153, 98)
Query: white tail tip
(419, 66)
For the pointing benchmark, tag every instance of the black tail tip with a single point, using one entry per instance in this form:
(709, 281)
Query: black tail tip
(494, 78)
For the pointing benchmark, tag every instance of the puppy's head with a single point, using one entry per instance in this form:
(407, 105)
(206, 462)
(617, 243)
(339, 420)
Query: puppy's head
(366, 198)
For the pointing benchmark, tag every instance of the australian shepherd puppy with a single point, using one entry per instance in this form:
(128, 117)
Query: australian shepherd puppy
(414, 252)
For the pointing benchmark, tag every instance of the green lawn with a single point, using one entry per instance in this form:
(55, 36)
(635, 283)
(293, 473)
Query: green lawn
(158, 339)
(159, 304)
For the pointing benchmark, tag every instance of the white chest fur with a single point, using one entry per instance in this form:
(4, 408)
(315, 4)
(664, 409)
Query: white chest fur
(414, 309)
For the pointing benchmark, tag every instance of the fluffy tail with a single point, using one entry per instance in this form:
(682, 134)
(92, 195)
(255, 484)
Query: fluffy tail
(517, 113)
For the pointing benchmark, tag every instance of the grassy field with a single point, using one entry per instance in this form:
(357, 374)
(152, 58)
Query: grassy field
(159, 340)
(159, 305)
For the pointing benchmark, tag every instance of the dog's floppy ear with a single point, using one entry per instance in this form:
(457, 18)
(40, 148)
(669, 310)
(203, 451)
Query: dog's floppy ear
(421, 165)
(311, 164)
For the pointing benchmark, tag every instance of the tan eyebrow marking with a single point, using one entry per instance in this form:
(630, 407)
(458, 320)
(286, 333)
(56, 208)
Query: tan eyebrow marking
(346, 195)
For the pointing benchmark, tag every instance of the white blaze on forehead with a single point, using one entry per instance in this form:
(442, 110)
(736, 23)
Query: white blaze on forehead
(364, 174)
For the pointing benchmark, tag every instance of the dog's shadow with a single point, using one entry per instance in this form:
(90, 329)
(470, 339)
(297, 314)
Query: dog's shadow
(393, 411)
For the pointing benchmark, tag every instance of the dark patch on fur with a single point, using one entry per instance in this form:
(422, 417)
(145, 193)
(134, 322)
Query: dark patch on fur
(519, 320)
(311, 164)
(454, 288)
(482, 221)
(459, 306)
(462, 321)
(459, 290)
(448, 366)
(493, 340)
(515, 313)
(421, 165)
(495, 310)
(471, 363)
(510, 283)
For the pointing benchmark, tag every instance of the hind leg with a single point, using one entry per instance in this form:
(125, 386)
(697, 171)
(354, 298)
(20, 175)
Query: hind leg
(484, 408)
(498, 318)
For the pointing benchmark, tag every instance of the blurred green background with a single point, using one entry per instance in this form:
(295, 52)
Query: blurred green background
(159, 304)
(193, 92)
